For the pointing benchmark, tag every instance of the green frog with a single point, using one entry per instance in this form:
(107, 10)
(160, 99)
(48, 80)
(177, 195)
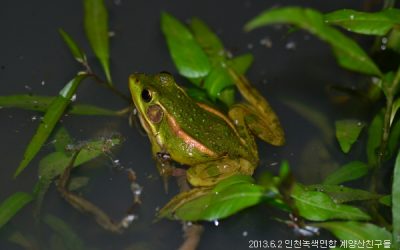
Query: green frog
(212, 144)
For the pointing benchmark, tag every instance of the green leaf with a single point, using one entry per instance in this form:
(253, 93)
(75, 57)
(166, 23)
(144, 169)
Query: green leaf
(227, 96)
(186, 53)
(96, 28)
(348, 53)
(61, 139)
(78, 182)
(378, 23)
(374, 138)
(226, 198)
(396, 201)
(386, 200)
(318, 206)
(395, 108)
(42, 103)
(54, 164)
(53, 114)
(77, 53)
(12, 205)
(341, 194)
(347, 132)
(350, 171)
(352, 230)
(394, 139)
(70, 239)
(394, 40)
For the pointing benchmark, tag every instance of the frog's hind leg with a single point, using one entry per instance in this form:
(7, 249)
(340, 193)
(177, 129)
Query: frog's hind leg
(210, 173)
(258, 114)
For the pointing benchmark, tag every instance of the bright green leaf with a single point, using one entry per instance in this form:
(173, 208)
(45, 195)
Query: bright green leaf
(226, 198)
(341, 194)
(186, 53)
(12, 205)
(42, 103)
(350, 171)
(227, 96)
(352, 230)
(77, 53)
(348, 53)
(347, 132)
(318, 206)
(70, 239)
(53, 114)
(396, 201)
(96, 28)
(378, 23)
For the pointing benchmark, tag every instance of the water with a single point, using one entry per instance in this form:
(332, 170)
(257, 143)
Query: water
(35, 60)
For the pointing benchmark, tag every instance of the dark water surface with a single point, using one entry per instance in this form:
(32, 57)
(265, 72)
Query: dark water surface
(33, 59)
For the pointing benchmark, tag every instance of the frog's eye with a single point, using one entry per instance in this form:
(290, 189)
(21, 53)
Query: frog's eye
(146, 95)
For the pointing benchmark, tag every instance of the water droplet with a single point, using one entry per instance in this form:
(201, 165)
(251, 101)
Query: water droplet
(384, 40)
(111, 33)
(250, 46)
(216, 223)
(266, 41)
(73, 98)
(383, 47)
(27, 87)
(290, 45)
(43, 83)
(245, 233)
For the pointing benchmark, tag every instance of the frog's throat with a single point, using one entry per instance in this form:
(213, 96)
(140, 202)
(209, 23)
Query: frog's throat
(193, 143)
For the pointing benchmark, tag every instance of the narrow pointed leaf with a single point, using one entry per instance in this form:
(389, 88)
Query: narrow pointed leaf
(352, 230)
(377, 23)
(374, 138)
(50, 119)
(76, 51)
(347, 132)
(42, 103)
(186, 53)
(96, 28)
(341, 194)
(12, 205)
(318, 206)
(396, 201)
(350, 171)
(347, 52)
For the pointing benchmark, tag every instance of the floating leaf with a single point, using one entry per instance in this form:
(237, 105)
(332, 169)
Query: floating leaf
(348, 53)
(341, 194)
(77, 53)
(378, 23)
(350, 171)
(396, 201)
(42, 103)
(187, 55)
(347, 132)
(12, 205)
(352, 230)
(70, 239)
(318, 206)
(96, 28)
(53, 114)
(226, 198)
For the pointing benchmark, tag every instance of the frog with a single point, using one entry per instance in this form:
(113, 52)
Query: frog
(213, 145)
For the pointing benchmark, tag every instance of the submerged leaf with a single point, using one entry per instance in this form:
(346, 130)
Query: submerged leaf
(318, 206)
(42, 103)
(347, 132)
(187, 55)
(61, 139)
(12, 205)
(394, 40)
(395, 108)
(70, 239)
(350, 171)
(378, 23)
(348, 53)
(341, 194)
(396, 201)
(77, 53)
(226, 198)
(96, 28)
(374, 138)
(352, 230)
(50, 119)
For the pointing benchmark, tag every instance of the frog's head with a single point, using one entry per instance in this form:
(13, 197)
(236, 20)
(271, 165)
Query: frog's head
(151, 94)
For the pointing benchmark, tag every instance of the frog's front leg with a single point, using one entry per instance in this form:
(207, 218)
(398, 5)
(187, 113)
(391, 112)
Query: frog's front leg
(85, 206)
(210, 173)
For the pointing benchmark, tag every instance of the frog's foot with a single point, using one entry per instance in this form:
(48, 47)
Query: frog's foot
(210, 173)
(101, 217)
(177, 201)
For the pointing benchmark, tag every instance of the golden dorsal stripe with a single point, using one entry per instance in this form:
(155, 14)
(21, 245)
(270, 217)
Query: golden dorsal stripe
(177, 130)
